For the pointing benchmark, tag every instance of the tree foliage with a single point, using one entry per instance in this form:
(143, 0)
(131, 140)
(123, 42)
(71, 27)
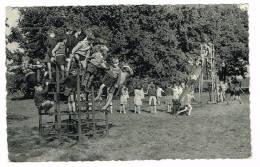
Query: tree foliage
(155, 40)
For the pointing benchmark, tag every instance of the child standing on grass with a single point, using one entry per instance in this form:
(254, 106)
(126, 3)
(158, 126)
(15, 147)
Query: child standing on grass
(152, 98)
(123, 99)
(159, 91)
(175, 99)
(169, 97)
(139, 95)
(237, 92)
(40, 98)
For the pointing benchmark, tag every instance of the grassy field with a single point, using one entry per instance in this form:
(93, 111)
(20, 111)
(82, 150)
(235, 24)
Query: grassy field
(212, 131)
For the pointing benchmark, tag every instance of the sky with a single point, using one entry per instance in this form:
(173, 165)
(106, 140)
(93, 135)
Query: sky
(12, 18)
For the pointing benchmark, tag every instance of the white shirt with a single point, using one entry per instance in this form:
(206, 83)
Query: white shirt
(159, 92)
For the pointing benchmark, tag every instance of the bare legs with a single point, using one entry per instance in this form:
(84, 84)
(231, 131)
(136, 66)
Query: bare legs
(138, 109)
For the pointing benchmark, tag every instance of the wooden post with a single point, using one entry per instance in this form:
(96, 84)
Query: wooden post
(40, 122)
(79, 108)
(106, 120)
(93, 112)
(38, 75)
(58, 101)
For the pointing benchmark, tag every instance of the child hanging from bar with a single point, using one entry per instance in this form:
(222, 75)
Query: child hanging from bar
(125, 73)
(123, 99)
(97, 60)
(59, 54)
(40, 98)
(111, 78)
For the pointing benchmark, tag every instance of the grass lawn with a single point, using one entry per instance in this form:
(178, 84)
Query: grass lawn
(212, 131)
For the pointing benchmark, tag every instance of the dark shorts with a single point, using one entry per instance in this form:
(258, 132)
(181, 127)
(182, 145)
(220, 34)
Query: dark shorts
(47, 59)
(91, 68)
(81, 57)
(237, 93)
(60, 59)
(109, 80)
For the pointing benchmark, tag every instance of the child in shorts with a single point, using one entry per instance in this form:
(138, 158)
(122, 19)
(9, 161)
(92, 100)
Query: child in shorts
(169, 97)
(59, 53)
(237, 92)
(97, 60)
(81, 52)
(111, 77)
(152, 98)
(70, 91)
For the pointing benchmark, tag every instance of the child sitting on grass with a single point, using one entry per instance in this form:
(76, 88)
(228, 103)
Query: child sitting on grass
(123, 99)
(186, 101)
(40, 98)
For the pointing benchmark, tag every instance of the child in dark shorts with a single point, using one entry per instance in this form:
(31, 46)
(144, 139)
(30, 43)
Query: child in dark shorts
(111, 78)
(70, 89)
(59, 53)
(96, 61)
(237, 92)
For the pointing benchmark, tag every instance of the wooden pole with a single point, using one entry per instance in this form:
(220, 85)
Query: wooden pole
(58, 101)
(40, 122)
(79, 108)
(93, 112)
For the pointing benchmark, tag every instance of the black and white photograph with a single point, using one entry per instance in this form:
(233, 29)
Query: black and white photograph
(127, 82)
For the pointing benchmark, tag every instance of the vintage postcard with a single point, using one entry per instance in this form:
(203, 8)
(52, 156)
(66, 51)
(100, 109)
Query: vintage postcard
(127, 82)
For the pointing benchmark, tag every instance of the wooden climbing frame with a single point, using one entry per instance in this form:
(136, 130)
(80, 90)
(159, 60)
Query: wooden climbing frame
(84, 120)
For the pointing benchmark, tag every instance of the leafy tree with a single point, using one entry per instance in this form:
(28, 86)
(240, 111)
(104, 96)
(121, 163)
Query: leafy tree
(156, 40)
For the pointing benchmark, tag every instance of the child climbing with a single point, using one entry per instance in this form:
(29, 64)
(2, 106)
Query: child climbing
(59, 54)
(40, 98)
(97, 60)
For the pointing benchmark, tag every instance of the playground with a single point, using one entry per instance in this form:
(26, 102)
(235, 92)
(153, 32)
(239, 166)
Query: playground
(212, 131)
(114, 87)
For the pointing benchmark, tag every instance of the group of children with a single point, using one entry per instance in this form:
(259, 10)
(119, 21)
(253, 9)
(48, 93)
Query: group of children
(79, 48)
(90, 56)
(154, 93)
